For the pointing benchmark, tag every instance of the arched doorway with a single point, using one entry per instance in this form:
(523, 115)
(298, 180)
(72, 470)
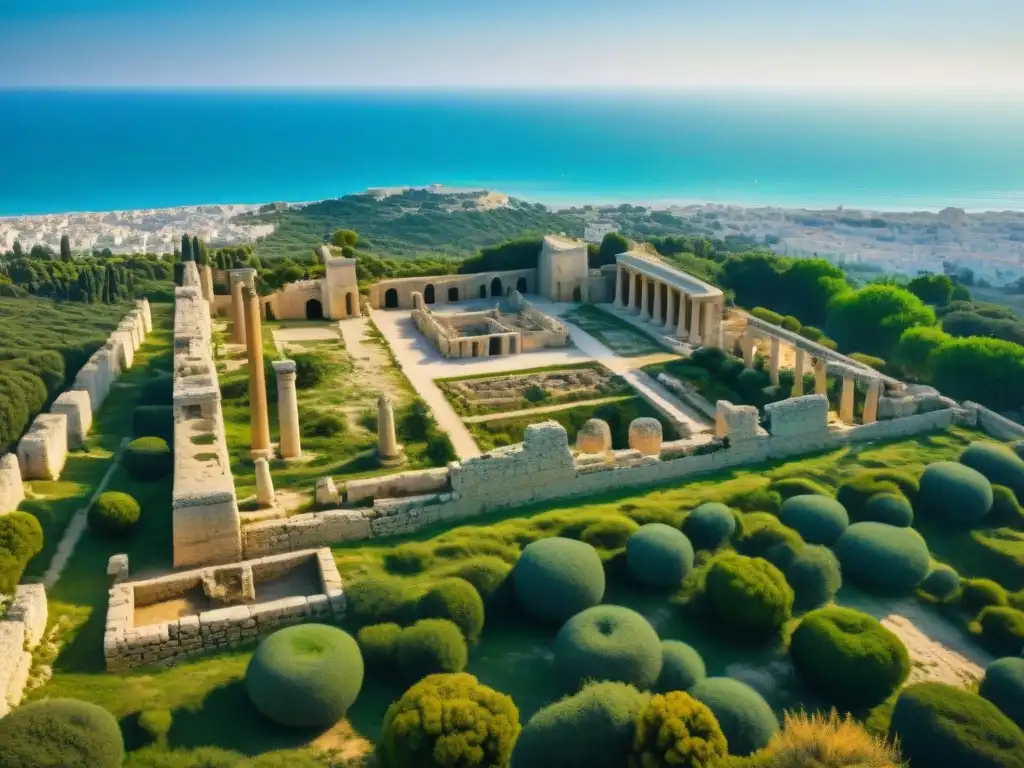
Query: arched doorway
(577, 294)
(496, 287)
(391, 298)
(314, 310)
(428, 294)
(521, 285)
(348, 305)
(453, 294)
(483, 291)
(494, 347)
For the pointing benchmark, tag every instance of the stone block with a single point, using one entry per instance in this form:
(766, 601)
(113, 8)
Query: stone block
(326, 491)
(77, 408)
(43, 450)
(12, 491)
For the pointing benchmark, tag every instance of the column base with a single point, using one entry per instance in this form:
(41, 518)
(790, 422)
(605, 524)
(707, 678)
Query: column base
(392, 461)
(261, 453)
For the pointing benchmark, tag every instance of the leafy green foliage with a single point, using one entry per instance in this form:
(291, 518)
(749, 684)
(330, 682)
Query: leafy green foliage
(981, 593)
(488, 574)
(377, 600)
(932, 289)
(812, 571)
(148, 458)
(710, 526)
(788, 487)
(681, 667)
(849, 656)
(757, 500)
(1003, 685)
(557, 578)
(872, 319)
(942, 725)
(659, 556)
(457, 600)
(154, 421)
(913, 352)
(416, 735)
(156, 723)
(744, 716)
(954, 493)
(114, 514)
(431, 646)
(988, 371)
(379, 646)
(798, 287)
(608, 642)
(305, 676)
(883, 557)
(818, 519)
(610, 533)
(998, 463)
(60, 733)
(1002, 629)
(889, 508)
(1006, 510)
(761, 531)
(748, 594)
(21, 539)
(159, 390)
(675, 730)
(942, 582)
(855, 491)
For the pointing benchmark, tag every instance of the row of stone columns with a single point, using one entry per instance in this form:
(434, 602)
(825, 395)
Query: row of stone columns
(701, 326)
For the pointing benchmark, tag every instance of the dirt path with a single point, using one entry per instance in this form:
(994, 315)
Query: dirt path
(543, 409)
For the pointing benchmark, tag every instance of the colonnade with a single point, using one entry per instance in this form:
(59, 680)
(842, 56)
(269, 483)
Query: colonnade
(692, 317)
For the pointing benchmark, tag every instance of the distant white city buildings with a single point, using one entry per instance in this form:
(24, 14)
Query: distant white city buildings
(594, 231)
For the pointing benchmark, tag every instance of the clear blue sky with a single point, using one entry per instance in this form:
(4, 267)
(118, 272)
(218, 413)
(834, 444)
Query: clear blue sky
(870, 44)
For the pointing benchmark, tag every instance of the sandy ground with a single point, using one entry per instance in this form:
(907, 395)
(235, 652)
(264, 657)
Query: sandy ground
(282, 336)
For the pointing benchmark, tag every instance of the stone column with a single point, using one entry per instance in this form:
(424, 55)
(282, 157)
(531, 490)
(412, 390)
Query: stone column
(710, 337)
(264, 484)
(642, 303)
(846, 401)
(694, 322)
(237, 312)
(618, 287)
(656, 314)
(747, 344)
(871, 401)
(288, 409)
(389, 453)
(206, 279)
(798, 373)
(505, 344)
(258, 422)
(820, 376)
(773, 360)
(681, 327)
(670, 310)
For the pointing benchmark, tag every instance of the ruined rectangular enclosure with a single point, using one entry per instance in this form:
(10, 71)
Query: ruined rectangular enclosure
(169, 618)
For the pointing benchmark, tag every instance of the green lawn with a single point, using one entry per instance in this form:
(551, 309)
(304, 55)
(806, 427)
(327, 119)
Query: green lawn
(623, 338)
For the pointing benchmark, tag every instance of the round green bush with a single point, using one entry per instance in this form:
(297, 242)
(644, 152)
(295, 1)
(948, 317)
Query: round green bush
(60, 733)
(954, 493)
(787, 487)
(818, 519)
(156, 723)
(148, 458)
(305, 676)
(592, 729)
(814, 574)
(942, 582)
(710, 525)
(379, 645)
(608, 642)
(481, 730)
(849, 656)
(611, 533)
(976, 594)
(457, 600)
(557, 578)
(748, 594)
(158, 390)
(1003, 685)
(378, 600)
(998, 463)
(1002, 630)
(940, 725)
(409, 559)
(431, 646)
(1006, 510)
(883, 557)
(757, 500)
(488, 574)
(745, 717)
(677, 730)
(889, 508)
(659, 556)
(681, 667)
(21, 538)
(761, 531)
(113, 514)
(855, 491)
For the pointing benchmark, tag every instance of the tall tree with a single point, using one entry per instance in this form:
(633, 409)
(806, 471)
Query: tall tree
(186, 248)
(18, 252)
(196, 250)
(65, 249)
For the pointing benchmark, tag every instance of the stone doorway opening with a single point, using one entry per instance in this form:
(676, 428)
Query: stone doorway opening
(314, 310)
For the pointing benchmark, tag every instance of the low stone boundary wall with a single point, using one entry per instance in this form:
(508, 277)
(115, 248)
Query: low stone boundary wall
(12, 491)
(20, 631)
(44, 448)
(167, 643)
(404, 484)
(995, 425)
(75, 405)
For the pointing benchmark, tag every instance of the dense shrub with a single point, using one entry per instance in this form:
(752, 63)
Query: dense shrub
(709, 358)
(980, 593)
(592, 729)
(1002, 630)
(767, 315)
(849, 656)
(431, 646)
(60, 733)
(818, 519)
(410, 558)
(659, 556)
(942, 582)
(940, 725)
(155, 420)
(21, 539)
(710, 525)
(457, 600)
(998, 463)
(322, 424)
(377, 600)
(854, 492)
(745, 717)
(1003, 685)
(113, 514)
(788, 487)
(480, 735)
(488, 574)
(825, 741)
(748, 594)
(379, 645)
(439, 448)
(760, 531)
(608, 642)
(889, 508)
(158, 390)
(954, 493)
(813, 572)
(681, 667)
(310, 369)
(1006, 509)
(148, 458)
(305, 676)
(757, 500)
(883, 557)
(610, 533)
(156, 723)
(674, 730)
(557, 578)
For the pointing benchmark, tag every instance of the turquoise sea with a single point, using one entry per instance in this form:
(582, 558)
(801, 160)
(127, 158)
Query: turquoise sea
(80, 151)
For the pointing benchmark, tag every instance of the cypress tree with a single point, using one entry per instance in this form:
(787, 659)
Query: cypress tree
(18, 252)
(65, 249)
(186, 249)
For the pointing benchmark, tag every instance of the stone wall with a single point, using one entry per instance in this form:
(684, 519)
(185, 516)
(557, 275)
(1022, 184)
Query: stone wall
(126, 645)
(995, 425)
(403, 484)
(20, 631)
(797, 415)
(12, 492)
(77, 408)
(44, 448)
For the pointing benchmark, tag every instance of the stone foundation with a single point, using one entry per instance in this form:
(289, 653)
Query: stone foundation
(76, 406)
(20, 632)
(44, 448)
(12, 492)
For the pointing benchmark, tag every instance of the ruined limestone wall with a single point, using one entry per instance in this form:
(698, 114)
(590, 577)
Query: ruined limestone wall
(403, 484)
(12, 491)
(995, 425)
(77, 409)
(20, 631)
(44, 448)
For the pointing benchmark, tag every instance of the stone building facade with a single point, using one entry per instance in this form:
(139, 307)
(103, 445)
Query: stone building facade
(562, 269)
(398, 293)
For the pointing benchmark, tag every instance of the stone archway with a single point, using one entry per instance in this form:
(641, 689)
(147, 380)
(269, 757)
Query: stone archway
(391, 298)
(521, 285)
(428, 293)
(577, 294)
(314, 310)
(349, 312)
(483, 291)
(494, 345)
(496, 287)
(453, 294)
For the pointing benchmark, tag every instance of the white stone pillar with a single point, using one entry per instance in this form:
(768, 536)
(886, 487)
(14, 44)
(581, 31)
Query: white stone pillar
(259, 425)
(798, 373)
(694, 322)
(846, 401)
(237, 312)
(288, 409)
(618, 287)
(820, 376)
(656, 314)
(389, 453)
(681, 327)
(773, 361)
(670, 310)
(871, 401)
(710, 336)
(747, 344)
(642, 304)
(264, 484)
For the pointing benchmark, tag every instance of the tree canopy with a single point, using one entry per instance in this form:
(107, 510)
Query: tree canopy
(873, 319)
